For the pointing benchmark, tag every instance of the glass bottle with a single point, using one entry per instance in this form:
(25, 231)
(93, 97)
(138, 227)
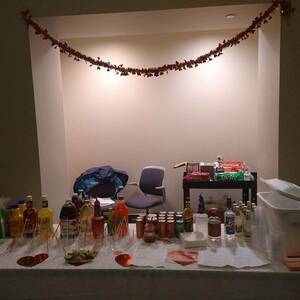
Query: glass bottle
(97, 221)
(121, 218)
(247, 224)
(86, 216)
(15, 221)
(229, 220)
(110, 221)
(45, 219)
(238, 221)
(214, 225)
(188, 216)
(201, 218)
(68, 221)
(29, 218)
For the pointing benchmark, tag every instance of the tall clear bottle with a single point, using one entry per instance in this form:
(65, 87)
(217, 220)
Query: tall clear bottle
(229, 220)
(45, 219)
(86, 216)
(238, 221)
(201, 218)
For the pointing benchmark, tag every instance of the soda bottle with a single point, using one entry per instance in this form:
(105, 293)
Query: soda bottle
(15, 221)
(97, 221)
(68, 221)
(45, 219)
(29, 218)
(86, 216)
(121, 218)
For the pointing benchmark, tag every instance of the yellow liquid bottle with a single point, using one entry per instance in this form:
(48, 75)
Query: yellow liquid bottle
(86, 216)
(15, 221)
(45, 220)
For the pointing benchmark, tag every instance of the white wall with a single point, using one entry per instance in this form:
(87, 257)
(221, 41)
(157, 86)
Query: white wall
(130, 122)
(46, 71)
(268, 104)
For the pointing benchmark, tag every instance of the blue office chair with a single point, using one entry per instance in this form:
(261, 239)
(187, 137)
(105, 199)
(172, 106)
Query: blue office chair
(151, 184)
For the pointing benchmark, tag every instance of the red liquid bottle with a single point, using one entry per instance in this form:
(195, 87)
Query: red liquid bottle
(121, 218)
(97, 222)
(30, 218)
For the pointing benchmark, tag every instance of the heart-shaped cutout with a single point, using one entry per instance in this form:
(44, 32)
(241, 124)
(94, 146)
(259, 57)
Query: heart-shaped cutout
(31, 261)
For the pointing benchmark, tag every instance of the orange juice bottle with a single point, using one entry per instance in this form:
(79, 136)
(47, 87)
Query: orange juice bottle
(15, 221)
(121, 218)
(45, 219)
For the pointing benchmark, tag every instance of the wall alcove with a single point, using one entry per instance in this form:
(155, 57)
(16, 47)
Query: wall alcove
(87, 117)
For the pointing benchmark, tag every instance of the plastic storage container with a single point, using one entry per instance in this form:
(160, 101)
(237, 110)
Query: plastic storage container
(280, 218)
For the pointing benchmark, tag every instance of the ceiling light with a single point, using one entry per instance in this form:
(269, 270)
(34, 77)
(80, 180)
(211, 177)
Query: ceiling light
(230, 16)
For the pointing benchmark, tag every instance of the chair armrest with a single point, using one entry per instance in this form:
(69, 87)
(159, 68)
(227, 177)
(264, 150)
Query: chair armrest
(160, 187)
(163, 191)
(132, 183)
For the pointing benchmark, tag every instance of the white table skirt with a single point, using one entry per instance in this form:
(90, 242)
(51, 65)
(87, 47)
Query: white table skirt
(54, 279)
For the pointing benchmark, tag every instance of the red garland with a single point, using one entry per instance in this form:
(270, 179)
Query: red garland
(263, 18)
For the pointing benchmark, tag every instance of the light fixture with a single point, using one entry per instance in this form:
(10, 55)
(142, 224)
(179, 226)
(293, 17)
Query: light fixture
(230, 16)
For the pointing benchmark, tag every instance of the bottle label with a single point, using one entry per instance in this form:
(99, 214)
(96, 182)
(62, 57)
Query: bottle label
(229, 225)
(44, 224)
(68, 228)
(86, 225)
(15, 228)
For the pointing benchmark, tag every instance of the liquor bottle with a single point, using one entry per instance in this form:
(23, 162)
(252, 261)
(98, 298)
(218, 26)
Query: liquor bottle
(188, 216)
(97, 221)
(68, 221)
(121, 218)
(86, 216)
(29, 218)
(110, 221)
(214, 225)
(238, 221)
(229, 220)
(201, 218)
(45, 219)
(247, 224)
(15, 221)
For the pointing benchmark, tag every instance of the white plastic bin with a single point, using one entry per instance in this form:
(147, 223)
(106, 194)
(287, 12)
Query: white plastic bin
(282, 216)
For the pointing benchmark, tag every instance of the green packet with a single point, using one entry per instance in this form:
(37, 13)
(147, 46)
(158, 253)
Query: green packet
(229, 176)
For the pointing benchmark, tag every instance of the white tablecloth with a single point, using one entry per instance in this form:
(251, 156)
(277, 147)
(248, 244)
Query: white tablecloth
(54, 279)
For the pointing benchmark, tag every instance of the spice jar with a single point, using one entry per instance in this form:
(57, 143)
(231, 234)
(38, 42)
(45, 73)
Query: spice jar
(139, 227)
(171, 228)
(162, 228)
(179, 227)
(214, 225)
(149, 232)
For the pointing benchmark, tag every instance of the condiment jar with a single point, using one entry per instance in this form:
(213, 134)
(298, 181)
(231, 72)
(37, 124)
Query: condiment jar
(149, 232)
(214, 225)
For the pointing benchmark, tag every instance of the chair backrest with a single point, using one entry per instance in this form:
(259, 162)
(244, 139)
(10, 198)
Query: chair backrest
(152, 177)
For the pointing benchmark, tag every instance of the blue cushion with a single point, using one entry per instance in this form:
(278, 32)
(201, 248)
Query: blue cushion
(143, 201)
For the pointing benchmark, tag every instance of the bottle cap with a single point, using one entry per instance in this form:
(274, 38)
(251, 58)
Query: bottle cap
(29, 198)
(13, 206)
